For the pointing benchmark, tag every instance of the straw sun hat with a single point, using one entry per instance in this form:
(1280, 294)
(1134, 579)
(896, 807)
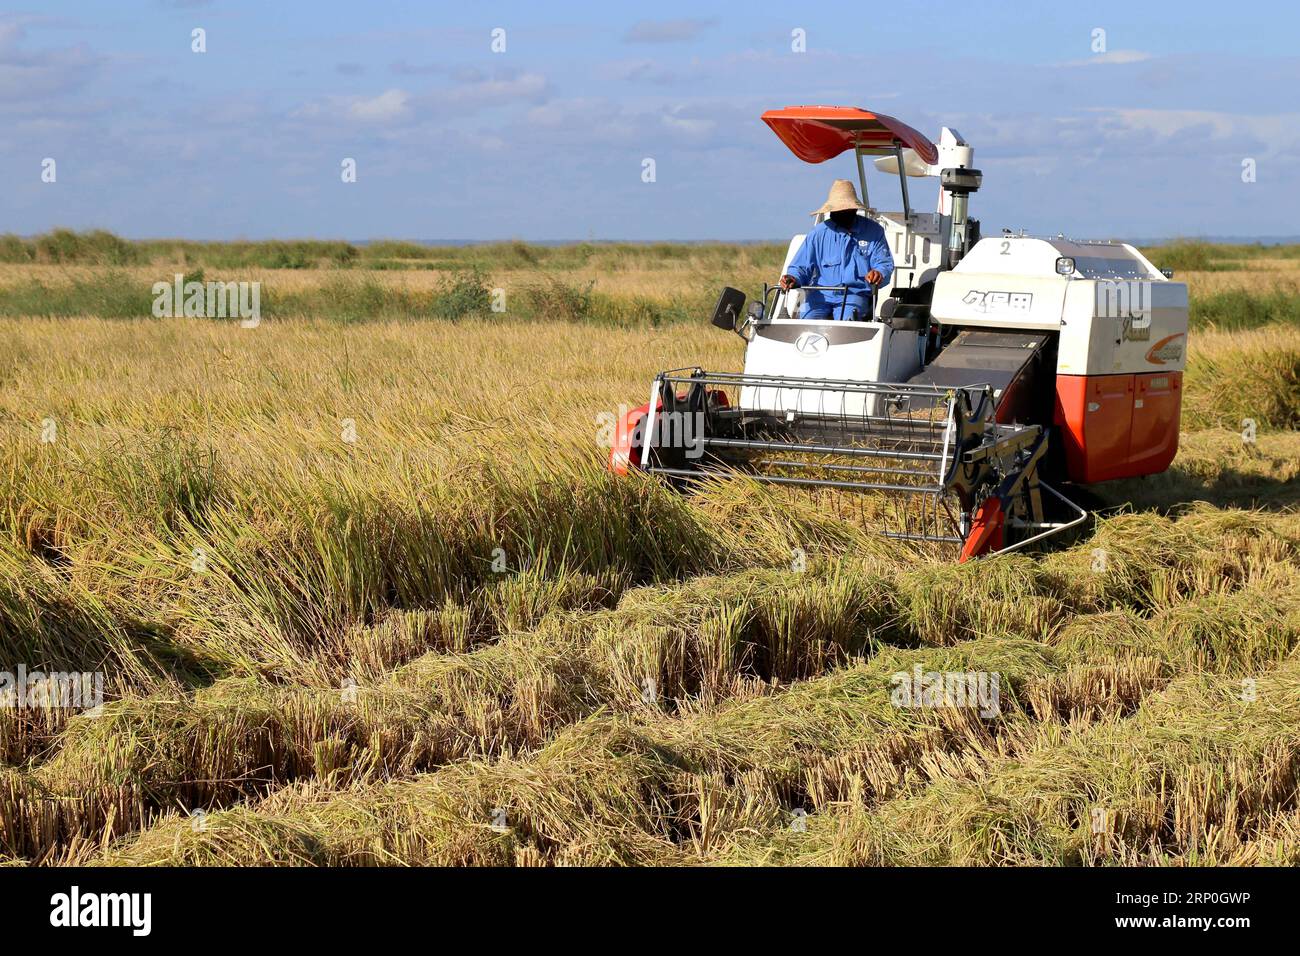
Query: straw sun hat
(841, 196)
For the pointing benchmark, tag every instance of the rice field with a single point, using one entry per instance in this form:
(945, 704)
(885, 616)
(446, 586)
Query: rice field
(360, 592)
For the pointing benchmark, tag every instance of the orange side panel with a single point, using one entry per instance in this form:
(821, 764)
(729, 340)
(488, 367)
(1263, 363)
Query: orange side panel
(626, 450)
(1118, 426)
(1071, 394)
(1156, 409)
(1095, 415)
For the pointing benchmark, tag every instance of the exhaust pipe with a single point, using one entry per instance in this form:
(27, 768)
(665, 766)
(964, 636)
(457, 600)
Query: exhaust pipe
(959, 182)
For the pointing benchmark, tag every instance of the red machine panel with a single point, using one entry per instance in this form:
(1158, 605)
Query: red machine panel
(1157, 405)
(1118, 426)
(1095, 415)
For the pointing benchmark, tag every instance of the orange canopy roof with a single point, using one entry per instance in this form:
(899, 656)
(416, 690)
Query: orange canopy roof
(818, 133)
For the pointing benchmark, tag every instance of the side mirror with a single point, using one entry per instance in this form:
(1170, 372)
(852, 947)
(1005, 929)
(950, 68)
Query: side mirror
(726, 314)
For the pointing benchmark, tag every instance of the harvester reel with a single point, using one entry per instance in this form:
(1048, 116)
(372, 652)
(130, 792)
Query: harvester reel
(954, 471)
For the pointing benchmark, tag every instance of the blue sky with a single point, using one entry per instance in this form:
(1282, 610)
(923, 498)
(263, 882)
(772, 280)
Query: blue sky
(546, 140)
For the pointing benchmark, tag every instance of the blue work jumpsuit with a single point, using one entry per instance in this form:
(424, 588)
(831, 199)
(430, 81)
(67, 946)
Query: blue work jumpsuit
(834, 256)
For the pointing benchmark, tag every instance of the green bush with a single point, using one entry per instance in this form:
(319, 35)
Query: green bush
(110, 295)
(1232, 311)
(97, 247)
(14, 249)
(395, 249)
(553, 299)
(1187, 255)
(464, 294)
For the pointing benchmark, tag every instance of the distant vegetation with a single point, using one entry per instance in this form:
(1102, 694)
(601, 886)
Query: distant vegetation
(1234, 310)
(640, 284)
(1192, 255)
(359, 297)
(63, 246)
(98, 247)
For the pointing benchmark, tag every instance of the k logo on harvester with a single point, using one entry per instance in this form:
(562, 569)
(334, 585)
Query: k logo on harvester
(812, 344)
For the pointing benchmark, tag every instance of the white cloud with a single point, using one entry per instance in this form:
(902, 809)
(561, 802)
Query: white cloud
(1136, 137)
(399, 106)
(387, 106)
(1113, 57)
(691, 126)
(585, 120)
(524, 87)
(1277, 130)
(29, 81)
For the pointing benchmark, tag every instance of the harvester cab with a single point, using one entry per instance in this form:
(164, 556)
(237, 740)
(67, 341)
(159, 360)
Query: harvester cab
(990, 372)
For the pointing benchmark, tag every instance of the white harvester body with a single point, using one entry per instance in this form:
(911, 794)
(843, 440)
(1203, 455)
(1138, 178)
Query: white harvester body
(828, 351)
(1117, 325)
(986, 361)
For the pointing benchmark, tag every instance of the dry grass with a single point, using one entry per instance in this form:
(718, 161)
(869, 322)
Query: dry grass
(355, 652)
(1251, 375)
(1196, 774)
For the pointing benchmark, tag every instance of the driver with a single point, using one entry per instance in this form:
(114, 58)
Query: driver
(844, 249)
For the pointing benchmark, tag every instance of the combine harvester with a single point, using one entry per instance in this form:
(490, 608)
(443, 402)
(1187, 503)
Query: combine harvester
(991, 366)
